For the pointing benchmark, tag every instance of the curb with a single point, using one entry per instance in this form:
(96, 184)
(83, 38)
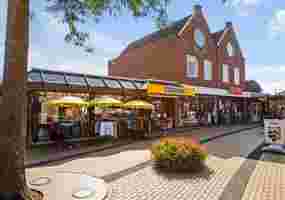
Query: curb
(65, 157)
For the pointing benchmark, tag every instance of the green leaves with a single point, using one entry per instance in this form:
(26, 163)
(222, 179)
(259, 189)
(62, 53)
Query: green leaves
(77, 12)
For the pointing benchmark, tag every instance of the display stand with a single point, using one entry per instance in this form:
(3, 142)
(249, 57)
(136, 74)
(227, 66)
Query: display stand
(274, 131)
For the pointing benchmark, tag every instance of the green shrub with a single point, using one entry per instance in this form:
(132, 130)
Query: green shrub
(179, 154)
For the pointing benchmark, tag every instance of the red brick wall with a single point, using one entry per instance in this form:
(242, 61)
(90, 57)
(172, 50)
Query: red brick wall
(166, 58)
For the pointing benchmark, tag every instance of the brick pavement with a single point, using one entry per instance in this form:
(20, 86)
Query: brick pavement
(147, 184)
(266, 183)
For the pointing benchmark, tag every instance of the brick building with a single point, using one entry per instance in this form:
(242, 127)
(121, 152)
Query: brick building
(188, 52)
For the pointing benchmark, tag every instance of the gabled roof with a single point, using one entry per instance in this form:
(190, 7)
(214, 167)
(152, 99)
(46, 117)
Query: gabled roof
(172, 29)
(217, 35)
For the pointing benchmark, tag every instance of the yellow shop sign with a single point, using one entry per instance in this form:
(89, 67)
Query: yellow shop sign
(155, 88)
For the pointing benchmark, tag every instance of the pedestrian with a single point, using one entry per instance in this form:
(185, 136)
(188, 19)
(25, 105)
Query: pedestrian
(60, 139)
(164, 124)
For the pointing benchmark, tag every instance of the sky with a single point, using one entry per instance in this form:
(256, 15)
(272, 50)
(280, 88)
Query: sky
(259, 25)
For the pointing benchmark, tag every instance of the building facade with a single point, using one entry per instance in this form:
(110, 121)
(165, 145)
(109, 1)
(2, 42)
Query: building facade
(186, 51)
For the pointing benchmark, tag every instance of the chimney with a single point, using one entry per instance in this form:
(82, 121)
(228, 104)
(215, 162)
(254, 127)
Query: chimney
(229, 24)
(197, 9)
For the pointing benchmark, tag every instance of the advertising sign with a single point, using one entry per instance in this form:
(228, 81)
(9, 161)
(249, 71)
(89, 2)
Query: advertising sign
(274, 131)
(236, 90)
(155, 88)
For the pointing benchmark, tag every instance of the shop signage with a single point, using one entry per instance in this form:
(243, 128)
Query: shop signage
(155, 88)
(212, 91)
(236, 90)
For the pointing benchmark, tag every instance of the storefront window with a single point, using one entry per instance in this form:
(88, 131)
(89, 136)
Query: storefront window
(192, 66)
(208, 70)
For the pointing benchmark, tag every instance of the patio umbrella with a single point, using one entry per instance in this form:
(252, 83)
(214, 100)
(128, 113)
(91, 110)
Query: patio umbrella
(139, 104)
(68, 101)
(105, 102)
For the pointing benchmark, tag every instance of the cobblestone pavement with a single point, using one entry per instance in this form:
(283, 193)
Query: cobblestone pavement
(237, 144)
(147, 184)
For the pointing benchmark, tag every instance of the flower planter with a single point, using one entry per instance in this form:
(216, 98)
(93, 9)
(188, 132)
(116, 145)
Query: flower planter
(179, 155)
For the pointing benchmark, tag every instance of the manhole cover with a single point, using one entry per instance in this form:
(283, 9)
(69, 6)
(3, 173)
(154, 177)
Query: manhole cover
(83, 193)
(40, 181)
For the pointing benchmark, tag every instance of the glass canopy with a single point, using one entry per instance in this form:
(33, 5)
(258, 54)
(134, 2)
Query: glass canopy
(73, 79)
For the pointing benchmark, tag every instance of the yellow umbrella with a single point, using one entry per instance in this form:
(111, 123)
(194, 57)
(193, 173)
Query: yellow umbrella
(139, 104)
(106, 102)
(68, 101)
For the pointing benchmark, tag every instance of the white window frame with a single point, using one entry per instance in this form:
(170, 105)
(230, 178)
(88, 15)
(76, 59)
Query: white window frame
(230, 49)
(226, 73)
(208, 70)
(192, 66)
(236, 75)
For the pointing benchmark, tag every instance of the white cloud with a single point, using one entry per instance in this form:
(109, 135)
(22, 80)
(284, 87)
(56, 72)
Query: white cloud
(277, 24)
(273, 86)
(269, 76)
(244, 7)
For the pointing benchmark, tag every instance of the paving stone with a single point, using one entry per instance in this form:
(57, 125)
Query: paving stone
(267, 182)
(148, 184)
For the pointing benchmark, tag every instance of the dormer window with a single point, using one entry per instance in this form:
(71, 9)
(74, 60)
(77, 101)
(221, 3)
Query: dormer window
(230, 49)
(199, 38)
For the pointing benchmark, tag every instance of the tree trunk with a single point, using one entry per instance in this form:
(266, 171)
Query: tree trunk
(13, 111)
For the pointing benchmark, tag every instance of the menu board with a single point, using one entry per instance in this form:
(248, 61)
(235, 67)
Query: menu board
(274, 131)
(107, 128)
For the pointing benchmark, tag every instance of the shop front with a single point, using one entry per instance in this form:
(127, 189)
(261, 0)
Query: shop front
(167, 98)
(214, 106)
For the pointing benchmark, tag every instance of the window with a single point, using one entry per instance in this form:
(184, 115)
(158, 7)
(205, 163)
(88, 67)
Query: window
(127, 84)
(34, 76)
(76, 80)
(226, 77)
(199, 38)
(236, 76)
(192, 66)
(112, 83)
(208, 71)
(95, 82)
(230, 49)
(140, 84)
(54, 78)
